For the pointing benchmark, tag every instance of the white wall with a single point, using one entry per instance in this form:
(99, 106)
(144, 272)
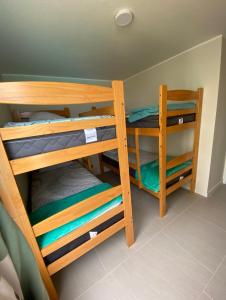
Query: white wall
(219, 144)
(196, 67)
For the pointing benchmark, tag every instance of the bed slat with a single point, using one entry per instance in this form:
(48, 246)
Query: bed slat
(77, 210)
(82, 230)
(144, 131)
(10, 133)
(132, 149)
(175, 175)
(30, 163)
(151, 192)
(177, 128)
(178, 112)
(107, 110)
(179, 160)
(178, 184)
(182, 95)
(84, 248)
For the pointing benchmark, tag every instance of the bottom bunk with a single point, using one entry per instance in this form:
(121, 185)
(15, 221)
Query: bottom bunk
(57, 188)
(149, 170)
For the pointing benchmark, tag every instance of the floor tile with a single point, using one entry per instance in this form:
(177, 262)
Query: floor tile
(204, 240)
(217, 286)
(107, 289)
(162, 270)
(204, 296)
(212, 208)
(113, 251)
(78, 276)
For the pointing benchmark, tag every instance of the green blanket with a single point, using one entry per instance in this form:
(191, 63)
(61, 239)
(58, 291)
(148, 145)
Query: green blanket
(150, 173)
(56, 206)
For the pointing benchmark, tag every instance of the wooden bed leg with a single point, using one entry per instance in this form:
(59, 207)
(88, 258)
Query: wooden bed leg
(101, 164)
(196, 139)
(13, 203)
(137, 146)
(119, 109)
(162, 148)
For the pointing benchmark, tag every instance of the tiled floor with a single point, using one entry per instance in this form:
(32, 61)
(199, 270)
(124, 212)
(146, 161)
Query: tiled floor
(182, 256)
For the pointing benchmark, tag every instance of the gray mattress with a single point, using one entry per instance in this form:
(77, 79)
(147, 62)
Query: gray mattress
(41, 144)
(55, 183)
(153, 121)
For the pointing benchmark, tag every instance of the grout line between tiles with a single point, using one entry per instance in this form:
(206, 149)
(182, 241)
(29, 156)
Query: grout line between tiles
(100, 260)
(163, 228)
(214, 273)
(186, 251)
(206, 220)
(207, 295)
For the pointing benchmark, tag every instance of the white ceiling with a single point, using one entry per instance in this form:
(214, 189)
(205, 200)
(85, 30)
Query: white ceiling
(78, 38)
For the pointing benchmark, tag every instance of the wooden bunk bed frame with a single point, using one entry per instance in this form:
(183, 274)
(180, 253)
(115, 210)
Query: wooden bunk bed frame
(56, 93)
(161, 133)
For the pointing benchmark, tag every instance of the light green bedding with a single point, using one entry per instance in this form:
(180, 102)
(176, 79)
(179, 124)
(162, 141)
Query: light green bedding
(152, 110)
(150, 173)
(16, 124)
(56, 206)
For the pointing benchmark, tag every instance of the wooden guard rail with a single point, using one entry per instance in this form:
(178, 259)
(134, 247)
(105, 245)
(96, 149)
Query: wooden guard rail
(182, 95)
(90, 244)
(75, 211)
(179, 112)
(34, 162)
(179, 160)
(81, 230)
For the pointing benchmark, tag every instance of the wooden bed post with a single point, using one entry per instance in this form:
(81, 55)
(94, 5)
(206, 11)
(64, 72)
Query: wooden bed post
(137, 145)
(196, 138)
(119, 109)
(162, 148)
(13, 203)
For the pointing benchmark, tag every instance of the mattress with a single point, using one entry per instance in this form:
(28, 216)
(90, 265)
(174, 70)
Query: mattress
(153, 121)
(55, 203)
(58, 182)
(41, 144)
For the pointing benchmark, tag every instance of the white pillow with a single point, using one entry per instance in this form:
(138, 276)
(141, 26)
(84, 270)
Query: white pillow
(44, 115)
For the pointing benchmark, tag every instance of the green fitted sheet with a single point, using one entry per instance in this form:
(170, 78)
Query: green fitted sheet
(56, 206)
(150, 173)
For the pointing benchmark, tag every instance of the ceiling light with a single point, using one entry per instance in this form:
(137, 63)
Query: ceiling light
(124, 17)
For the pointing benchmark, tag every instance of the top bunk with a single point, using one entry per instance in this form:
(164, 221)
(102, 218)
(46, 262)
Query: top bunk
(177, 110)
(34, 144)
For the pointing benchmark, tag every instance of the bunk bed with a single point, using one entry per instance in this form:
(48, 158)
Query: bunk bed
(163, 176)
(72, 210)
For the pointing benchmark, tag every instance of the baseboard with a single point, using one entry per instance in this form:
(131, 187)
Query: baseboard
(213, 189)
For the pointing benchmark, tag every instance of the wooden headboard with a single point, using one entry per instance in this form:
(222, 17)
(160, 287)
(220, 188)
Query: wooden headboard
(107, 110)
(19, 116)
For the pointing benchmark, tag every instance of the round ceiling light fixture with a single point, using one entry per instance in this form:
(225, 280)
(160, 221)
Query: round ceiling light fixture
(124, 17)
